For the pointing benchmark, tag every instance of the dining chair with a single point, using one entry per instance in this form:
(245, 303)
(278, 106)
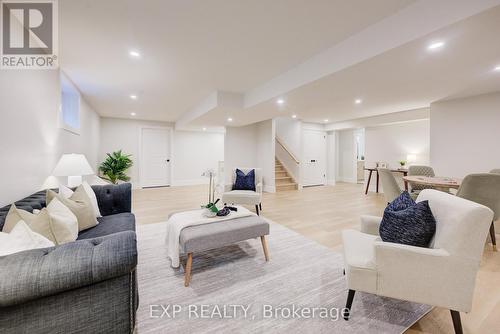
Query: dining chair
(443, 275)
(420, 170)
(483, 188)
(495, 171)
(390, 186)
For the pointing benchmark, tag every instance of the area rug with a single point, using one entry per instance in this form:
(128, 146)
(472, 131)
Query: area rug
(233, 290)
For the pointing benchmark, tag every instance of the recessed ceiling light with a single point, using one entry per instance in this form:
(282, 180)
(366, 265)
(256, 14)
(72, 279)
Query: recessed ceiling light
(497, 68)
(358, 101)
(435, 45)
(133, 97)
(133, 114)
(134, 54)
(325, 120)
(204, 129)
(294, 116)
(229, 119)
(280, 101)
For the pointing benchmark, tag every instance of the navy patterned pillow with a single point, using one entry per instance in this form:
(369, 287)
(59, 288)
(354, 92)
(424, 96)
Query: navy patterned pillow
(413, 226)
(244, 182)
(402, 202)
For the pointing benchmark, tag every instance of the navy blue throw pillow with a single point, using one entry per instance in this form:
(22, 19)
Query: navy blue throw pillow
(401, 202)
(413, 226)
(244, 182)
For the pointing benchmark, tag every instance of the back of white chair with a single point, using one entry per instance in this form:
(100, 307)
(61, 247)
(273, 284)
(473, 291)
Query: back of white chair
(258, 176)
(461, 225)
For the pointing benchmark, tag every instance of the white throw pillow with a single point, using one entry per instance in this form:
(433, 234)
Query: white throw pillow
(93, 199)
(63, 223)
(65, 191)
(22, 238)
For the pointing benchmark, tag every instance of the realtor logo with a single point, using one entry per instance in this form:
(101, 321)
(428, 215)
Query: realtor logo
(28, 34)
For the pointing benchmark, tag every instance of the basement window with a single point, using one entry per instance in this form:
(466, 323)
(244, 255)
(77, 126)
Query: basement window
(69, 118)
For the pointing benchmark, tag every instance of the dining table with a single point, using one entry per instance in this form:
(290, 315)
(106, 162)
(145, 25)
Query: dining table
(403, 171)
(436, 182)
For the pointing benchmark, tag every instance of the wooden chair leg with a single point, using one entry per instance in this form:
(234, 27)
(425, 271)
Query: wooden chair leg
(493, 237)
(257, 210)
(264, 247)
(347, 310)
(187, 273)
(457, 323)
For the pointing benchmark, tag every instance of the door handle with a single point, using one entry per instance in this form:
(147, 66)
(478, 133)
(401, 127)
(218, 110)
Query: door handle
(168, 160)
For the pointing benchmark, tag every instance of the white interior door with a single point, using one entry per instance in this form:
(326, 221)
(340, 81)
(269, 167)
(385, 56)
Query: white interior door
(155, 157)
(314, 162)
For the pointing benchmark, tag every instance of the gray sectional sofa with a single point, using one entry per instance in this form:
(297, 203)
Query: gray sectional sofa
(86, 286)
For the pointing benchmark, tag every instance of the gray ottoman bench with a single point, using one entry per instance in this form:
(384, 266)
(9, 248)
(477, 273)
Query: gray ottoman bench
(204, 237)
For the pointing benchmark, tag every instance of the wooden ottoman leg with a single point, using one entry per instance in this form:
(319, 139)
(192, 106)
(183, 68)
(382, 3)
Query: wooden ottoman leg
(264, 247)
(187, 274)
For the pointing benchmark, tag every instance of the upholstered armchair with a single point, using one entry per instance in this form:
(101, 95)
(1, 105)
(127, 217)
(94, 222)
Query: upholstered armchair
(244, 197)
(442, 275)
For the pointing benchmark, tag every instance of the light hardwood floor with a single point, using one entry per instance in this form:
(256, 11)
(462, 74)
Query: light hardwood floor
(320, 213)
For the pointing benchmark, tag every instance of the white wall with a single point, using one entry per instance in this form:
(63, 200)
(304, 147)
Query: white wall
(31, 140)
(251, 146)
(346, 156)
(465, 135)
(192, 151)
(332, 142)
(392, 143)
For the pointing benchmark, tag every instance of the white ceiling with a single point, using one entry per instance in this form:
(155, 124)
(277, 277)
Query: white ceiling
(192, 49)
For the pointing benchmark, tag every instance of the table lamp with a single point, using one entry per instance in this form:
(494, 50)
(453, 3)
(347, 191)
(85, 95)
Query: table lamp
(410, 158)
(73, 166)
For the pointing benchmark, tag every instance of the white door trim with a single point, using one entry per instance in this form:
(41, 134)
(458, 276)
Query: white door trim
(171, 144)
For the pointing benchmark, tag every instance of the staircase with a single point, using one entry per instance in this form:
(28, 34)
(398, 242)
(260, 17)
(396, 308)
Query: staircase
(283, 180)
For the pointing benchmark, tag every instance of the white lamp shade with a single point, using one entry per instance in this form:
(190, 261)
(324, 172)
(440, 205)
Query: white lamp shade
(411, 157)
(73, 165)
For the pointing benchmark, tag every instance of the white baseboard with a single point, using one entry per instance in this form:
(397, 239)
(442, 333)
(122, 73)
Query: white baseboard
(331, 182)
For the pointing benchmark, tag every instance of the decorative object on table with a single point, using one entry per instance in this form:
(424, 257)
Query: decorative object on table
(74, 166)
(223, 212)
(210, 209)
(115, 166)
(402, 163)
(210, 173)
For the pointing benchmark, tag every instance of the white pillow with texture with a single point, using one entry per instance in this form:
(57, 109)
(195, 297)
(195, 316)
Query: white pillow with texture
(21, 238)
(63, 222)
(65, 191)
(93, 199)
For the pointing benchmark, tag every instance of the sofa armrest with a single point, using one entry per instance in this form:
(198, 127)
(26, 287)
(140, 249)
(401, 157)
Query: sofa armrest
(258, 187)
(38, 273)
(370, 224)
(114, 198)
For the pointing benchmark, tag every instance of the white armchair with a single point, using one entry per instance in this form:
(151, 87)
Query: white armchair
(244, 197)
(442, 275)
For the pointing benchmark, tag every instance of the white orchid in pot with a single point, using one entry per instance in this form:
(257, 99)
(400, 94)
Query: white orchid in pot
(210, 208)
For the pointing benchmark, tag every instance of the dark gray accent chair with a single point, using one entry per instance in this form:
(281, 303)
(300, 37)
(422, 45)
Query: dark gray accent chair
(86, 286)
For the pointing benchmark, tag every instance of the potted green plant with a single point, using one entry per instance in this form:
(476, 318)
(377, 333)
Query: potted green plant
(115, 166)
(402, 163)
